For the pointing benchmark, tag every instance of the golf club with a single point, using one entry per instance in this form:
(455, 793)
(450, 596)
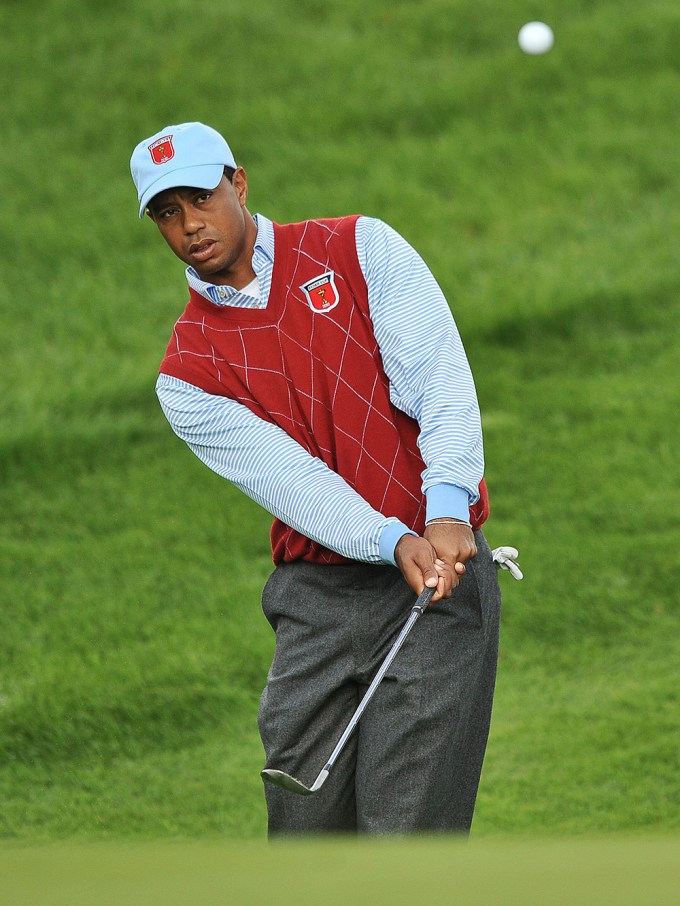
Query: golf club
(280, 778)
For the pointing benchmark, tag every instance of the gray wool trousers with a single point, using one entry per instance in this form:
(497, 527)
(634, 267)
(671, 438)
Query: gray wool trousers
(414, 762)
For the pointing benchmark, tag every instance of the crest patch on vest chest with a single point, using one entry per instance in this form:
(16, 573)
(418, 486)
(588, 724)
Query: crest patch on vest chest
(321, 292)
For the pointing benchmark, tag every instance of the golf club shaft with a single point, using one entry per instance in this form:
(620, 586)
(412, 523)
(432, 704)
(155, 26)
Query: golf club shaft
(416, 611)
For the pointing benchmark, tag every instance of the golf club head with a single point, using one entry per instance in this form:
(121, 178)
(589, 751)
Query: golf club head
(286, 782)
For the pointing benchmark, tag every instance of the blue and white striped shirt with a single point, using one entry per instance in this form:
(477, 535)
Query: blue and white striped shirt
(430, 380)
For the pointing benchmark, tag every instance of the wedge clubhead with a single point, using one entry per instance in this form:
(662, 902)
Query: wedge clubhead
(292, 784)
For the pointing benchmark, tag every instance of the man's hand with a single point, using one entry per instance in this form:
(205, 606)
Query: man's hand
(420, 566)
(454, 544)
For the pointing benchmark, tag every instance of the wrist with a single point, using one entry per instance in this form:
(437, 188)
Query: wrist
(390, 536)
(447, 520)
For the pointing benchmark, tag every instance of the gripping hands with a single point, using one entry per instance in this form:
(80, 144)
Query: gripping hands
(437, 559)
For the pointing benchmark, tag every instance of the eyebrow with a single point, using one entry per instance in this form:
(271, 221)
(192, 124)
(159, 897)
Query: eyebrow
(155, 206)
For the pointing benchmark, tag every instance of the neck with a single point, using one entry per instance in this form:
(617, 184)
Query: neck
(241, 272)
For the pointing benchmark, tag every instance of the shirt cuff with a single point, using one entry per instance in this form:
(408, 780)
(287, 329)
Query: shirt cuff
(447, 500)
(389, 538)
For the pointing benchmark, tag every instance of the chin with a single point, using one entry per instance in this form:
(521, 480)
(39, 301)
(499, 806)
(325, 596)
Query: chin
(206, 272)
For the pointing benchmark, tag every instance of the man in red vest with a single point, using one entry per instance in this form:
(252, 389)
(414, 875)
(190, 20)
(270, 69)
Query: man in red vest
(318, 367)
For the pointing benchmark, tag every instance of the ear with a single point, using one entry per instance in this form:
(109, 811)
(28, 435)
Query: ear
(148, 213)
(240, 183)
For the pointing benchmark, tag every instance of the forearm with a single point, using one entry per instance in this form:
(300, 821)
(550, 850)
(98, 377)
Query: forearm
(280, 475)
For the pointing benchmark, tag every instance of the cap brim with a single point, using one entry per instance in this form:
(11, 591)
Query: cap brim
(206, 176)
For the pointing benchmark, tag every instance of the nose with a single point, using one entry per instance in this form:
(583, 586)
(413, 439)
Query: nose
(193, 221)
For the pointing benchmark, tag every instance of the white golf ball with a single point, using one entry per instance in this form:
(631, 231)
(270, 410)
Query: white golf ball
(536, 38)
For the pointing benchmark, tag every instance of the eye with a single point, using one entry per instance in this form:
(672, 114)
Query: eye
(203, 197)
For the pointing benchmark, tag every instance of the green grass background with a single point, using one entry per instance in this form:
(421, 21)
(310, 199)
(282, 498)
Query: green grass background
(543, 192)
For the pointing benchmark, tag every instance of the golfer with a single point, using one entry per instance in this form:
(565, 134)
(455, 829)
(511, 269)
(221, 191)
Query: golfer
(317, 366)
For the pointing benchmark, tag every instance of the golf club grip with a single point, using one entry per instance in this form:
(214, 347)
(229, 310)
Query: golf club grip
(424, 599)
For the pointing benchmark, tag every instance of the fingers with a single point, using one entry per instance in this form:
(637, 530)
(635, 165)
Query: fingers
(442, 577)
(417, 560)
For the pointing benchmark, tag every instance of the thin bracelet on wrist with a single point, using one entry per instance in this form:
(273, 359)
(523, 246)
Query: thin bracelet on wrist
(447, 520)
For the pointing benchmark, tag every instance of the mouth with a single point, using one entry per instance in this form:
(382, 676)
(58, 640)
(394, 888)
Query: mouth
(201, 251)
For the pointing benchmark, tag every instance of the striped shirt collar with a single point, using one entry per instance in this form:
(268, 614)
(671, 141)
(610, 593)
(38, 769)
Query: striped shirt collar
(263, 260)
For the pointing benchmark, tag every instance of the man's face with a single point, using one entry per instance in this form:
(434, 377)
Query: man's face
(209, 229)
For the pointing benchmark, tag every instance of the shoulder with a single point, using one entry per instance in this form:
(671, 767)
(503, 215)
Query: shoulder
(378, 243)
(373, 231)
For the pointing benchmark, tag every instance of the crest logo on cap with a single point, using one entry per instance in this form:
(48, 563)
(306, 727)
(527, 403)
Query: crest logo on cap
(321, 292)
(162, 150)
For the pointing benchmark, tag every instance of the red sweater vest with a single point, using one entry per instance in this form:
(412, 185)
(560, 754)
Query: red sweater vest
(309, 363)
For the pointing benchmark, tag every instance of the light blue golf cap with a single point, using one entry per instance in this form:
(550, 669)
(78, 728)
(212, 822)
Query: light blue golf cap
(189, 154)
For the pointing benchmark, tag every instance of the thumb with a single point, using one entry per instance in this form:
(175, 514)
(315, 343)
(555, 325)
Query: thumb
(430, 576)
(425, 562)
